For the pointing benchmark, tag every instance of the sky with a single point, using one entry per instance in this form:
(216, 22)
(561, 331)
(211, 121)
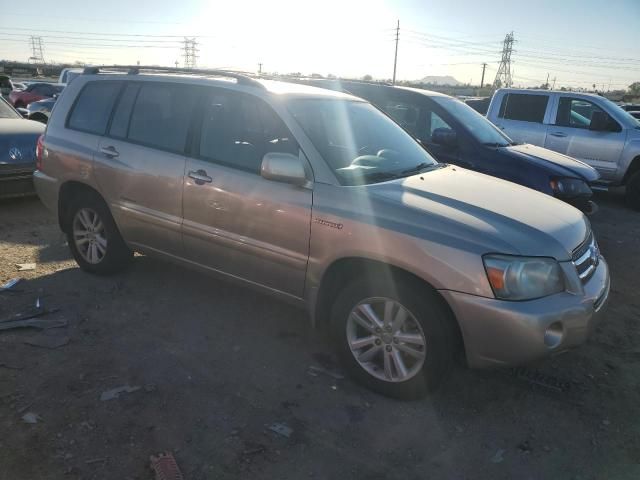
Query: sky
(576, 42)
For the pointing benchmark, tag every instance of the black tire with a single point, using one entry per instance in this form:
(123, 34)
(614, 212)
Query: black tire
(117, 255)
(433, 317)
(632, 193)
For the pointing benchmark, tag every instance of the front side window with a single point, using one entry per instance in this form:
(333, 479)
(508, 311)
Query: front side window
(360, 143)
(524, 107)
(161, 116)
(575, 112)
(239, 129)
(93, 107)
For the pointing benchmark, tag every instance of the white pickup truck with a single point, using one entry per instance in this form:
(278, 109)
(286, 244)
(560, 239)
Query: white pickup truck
(584, 126)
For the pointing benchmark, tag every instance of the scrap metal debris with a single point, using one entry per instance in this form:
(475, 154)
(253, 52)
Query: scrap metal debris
(10, 284)
(23, 267)
(33, 323)
(31, 417)
(315, 371)
(115, 392)
(281, 429)
(535, 377)
(165, 467)
(47, 341)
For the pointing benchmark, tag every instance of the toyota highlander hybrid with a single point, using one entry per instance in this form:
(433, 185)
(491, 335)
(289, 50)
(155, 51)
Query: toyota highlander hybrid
(319, 198)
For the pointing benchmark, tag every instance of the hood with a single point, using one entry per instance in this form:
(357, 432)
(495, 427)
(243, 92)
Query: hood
(18, 134)
(562, 165)
(479, 213)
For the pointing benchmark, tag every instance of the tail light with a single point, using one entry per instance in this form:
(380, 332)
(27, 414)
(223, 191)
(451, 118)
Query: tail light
(39, 152)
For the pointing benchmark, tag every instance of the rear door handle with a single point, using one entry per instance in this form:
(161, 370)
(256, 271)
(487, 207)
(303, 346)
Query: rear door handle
(558, 134)
(200, 176)
(110, 152)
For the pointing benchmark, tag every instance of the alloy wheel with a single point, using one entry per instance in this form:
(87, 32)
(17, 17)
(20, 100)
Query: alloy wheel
(386, 339)
(89, 235)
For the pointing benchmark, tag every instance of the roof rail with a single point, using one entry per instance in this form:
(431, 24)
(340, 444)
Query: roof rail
(242, 79)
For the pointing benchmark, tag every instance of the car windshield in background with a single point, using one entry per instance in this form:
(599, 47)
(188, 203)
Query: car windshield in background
(360, 144)
(477, 125)
(6, 111)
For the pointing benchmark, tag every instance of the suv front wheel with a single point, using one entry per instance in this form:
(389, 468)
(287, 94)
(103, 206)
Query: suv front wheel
(93, 237)
(393, 336)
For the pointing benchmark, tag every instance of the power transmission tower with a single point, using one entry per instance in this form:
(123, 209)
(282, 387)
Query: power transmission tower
(484, 66)
(503, 76)
(190, 52)
(36, 50)
(395, 58)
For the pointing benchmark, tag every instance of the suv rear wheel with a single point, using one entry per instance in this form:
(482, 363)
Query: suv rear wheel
(632, 193)
(393, 336)
(93, 237)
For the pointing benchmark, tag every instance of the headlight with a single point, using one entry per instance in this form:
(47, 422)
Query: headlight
(569, 187)
(523, 278)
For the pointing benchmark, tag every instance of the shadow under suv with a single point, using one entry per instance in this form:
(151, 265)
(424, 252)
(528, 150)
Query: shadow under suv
(318, 198)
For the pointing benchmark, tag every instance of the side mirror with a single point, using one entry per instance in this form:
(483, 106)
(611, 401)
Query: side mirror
(23, 111)
(283, 167)
(600, 121)
(445, 137)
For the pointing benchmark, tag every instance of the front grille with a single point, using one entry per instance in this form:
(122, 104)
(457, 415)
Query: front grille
(586, 258)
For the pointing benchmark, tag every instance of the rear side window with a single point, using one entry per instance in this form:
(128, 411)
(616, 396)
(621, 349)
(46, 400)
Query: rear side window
(93, 107)
(122, 114)
(161, 116)
(237, 130)
(524, 107)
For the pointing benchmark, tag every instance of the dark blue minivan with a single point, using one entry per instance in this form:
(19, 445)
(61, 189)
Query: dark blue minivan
(455, 133)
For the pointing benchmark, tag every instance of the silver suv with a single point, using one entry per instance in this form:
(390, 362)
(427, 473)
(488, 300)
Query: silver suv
(320, 199)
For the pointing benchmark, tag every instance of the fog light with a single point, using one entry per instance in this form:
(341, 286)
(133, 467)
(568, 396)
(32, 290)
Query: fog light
(553, 335)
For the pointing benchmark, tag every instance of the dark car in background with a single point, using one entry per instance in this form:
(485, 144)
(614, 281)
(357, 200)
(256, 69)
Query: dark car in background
(5, 85)
(455, 133)
(40, 111)
(18, 139)
(33, 93)
(635, 114)
(480, 105)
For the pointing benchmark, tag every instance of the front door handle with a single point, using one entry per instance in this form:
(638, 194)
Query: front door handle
(110, 151)
(558, 134)
(200, 176)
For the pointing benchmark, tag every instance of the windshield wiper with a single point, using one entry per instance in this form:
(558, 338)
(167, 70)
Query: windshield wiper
(495, 144)
(418, 168)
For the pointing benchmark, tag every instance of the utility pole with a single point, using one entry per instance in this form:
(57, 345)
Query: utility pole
(395, 58)
(484, 66)
(554, 84)
(190, 52)
(259, 68)
(504, 75)
(547, 82)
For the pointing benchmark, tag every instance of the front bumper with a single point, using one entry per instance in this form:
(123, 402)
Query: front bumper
(502, 333)
(16, 180)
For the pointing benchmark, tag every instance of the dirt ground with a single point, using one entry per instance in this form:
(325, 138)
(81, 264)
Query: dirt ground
(218, 364)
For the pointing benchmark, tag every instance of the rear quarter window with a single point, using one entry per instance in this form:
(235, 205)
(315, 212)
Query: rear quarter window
(523, 107)
(93, 106)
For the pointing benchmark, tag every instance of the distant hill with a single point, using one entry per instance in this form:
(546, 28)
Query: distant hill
(440, 80)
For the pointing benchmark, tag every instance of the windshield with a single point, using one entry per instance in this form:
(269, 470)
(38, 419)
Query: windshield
(6, 111)
(360, 143)
(477, 125)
